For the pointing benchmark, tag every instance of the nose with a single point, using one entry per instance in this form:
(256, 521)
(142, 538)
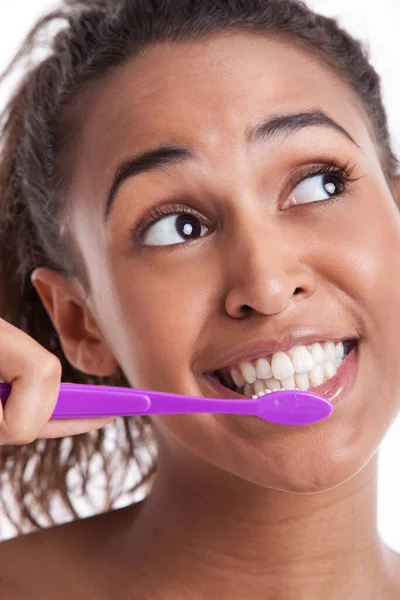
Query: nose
(266, 270)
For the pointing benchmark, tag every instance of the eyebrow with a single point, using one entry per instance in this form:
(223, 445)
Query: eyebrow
(154, 159)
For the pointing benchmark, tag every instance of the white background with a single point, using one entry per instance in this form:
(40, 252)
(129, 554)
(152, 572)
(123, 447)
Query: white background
(375, 21)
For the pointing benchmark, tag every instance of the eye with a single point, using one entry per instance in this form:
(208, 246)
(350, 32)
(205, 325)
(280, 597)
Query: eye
(315, 188)
(174, 229)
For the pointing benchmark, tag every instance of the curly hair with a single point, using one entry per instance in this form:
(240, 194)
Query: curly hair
(83, 41)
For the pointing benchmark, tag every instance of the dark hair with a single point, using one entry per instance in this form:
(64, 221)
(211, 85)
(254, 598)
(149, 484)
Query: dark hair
(92, 38)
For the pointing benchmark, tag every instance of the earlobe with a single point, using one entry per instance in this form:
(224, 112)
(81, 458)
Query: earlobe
(81, 339)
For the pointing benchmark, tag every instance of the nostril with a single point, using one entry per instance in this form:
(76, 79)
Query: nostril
(297, 291)
(245, 310)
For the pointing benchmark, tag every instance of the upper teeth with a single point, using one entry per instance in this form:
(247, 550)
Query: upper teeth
(301, 367)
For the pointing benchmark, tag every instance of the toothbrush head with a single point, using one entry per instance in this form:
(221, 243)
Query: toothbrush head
(293, 407)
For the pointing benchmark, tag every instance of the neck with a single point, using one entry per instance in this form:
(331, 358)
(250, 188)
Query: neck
(209, 534)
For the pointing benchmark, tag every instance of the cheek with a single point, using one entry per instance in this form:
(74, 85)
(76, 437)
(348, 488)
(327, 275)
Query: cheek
(366, 267)
(361, 258)
(164, 308)
(373, 259)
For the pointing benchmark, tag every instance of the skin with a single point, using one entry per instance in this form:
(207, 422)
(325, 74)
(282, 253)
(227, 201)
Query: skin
(240, 508)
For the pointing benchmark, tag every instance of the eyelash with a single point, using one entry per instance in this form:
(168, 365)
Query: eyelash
(342, 170)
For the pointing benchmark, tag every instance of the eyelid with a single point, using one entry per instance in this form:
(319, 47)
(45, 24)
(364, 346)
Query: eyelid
(332, 166)
(157, 213)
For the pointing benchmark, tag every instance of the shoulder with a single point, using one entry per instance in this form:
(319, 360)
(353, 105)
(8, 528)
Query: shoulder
(58, 562)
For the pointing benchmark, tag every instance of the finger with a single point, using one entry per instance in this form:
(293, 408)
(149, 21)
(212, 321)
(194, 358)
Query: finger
(35, 375)
(29, 407)
(65, 427)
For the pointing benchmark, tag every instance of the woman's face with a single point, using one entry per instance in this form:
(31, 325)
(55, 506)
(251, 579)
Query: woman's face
(266, 254)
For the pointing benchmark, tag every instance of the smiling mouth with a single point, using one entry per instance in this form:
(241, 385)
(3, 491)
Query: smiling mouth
(302, 367)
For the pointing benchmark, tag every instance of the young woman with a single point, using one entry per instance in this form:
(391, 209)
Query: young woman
(191, 190)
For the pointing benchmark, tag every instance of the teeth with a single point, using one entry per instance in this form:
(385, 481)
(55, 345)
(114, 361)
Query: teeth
(330, 351)
(263, 369)
(302, 381)
(281, 365)
(316, 375)
(288, 384)
(329, 369)
(339, 350)
(318, 354)
(273, 384)
(237, 378)
(259, 386)
(300, 368)
(302, 360)
(248, 371)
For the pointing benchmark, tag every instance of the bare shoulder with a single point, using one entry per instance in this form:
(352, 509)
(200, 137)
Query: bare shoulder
(59, 562)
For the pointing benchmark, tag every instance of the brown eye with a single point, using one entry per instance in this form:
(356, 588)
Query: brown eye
(188, 226)
(174, 229)
(315, 188)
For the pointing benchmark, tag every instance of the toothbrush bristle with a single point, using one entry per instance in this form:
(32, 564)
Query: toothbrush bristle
(260, 394)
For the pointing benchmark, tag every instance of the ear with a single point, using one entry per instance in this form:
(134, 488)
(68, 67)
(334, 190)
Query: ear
(81, 339)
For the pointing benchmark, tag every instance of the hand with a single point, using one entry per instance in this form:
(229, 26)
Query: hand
(35, 376)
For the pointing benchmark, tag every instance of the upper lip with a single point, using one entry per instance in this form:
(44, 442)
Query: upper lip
(262, 347)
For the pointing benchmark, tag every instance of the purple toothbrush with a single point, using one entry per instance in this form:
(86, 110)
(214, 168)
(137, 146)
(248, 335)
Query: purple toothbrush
(285, 407)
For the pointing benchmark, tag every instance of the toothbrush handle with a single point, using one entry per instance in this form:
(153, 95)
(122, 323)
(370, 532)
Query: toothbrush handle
(77, 400)
(163, 403)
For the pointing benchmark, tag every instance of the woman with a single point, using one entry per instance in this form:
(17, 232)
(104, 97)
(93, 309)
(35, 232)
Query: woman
(191, 191)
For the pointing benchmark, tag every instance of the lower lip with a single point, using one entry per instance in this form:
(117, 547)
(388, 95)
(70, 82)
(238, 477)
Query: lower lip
(336, 390)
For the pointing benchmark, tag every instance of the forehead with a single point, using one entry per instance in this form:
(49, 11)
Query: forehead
(204, 95)
(225, 78)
